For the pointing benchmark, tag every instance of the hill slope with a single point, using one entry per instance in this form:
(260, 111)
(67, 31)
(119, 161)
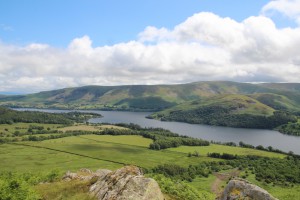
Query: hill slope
(226, 110)
(153, 97)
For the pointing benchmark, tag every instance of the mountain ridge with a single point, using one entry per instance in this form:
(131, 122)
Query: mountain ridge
(155, 97)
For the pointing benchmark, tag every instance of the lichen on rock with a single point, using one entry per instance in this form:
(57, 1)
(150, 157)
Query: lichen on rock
(242, 189)
(125, 183)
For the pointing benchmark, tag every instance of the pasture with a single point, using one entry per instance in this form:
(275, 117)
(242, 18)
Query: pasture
(215, 148)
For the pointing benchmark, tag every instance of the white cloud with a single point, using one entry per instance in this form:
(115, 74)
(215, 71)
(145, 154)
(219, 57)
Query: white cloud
(203, 47)
(151, 34)
(81, 46)
(289, 8)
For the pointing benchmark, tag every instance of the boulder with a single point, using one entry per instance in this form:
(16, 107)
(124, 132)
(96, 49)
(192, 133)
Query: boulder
(85, 174)
(126, 183)
(242, 189)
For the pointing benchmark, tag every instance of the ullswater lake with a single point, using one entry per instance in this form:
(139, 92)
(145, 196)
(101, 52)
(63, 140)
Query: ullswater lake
(216, 133)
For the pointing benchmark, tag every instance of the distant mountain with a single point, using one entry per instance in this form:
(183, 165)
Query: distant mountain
(280, 96)
(292, 87)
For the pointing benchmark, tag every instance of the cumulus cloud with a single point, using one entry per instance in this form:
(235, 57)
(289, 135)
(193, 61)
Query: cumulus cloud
(289, 8)
(203, 47)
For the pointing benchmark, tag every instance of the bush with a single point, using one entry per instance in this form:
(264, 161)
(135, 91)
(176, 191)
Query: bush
(180, 190)
(16, 187)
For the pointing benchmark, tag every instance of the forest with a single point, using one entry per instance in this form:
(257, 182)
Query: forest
(9, 116)
(223, 116)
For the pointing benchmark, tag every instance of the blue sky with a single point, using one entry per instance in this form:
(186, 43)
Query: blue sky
(53, 44)
(107, 22)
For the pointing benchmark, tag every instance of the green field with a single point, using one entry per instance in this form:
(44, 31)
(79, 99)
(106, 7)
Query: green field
(18, 158)
(8, 129)
(280, 192)
(215, 148)
(121, 139)
(112, 152)
(91, 151)
(83, 127)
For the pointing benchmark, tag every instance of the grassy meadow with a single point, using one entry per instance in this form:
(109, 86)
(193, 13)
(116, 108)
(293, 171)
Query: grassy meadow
(9, 129)
(115, 149)
(280, 192)
(112, 152)
(216, 148)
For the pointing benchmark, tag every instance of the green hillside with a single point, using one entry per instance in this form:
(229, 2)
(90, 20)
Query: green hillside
(276, 101)
(37, 172)
(155, 97)
(293, 87)
(226, 110)
(8, 116)
(184, 167)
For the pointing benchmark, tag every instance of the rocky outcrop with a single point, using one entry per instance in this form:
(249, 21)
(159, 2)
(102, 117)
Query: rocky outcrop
(85, 174)
(242, 189)
(125, 183)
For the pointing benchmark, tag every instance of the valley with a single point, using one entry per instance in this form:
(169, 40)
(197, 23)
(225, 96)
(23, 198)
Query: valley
(222, 103)
(96, 127)
(46, 155)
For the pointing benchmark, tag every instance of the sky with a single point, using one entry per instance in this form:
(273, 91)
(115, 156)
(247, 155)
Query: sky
(52, 44)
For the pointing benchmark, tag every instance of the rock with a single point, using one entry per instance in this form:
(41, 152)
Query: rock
(242, 189)
(85, 174)
(70, 176)
(87, 171)
(126, 183)
(102, 172)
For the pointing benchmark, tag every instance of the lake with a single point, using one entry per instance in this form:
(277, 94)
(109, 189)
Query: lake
(215, 133)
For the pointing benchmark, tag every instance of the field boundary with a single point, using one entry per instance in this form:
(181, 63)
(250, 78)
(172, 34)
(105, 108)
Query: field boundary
(77, 154)
(99, 141)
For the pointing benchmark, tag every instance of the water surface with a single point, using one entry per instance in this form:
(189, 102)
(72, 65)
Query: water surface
(216, 133)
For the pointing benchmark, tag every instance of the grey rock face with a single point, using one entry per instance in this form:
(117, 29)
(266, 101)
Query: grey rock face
(242, 189)
(126, 183)
(85, 174)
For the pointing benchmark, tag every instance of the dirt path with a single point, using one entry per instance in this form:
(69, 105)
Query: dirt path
(221, 178)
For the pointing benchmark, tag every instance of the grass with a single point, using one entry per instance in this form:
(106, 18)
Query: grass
(251, 106)
(9, 129)
(82, 127)
(133, 140)
(215, 148)
(104, 151)
(112, 152)
(280, 192)
(73, 190)
(30, 159)
(88, 151)
(92, 146)
(202, 183)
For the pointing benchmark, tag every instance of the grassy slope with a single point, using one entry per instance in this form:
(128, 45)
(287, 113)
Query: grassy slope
(233, 110)
(8, 129)
(248, 105)
(116, 152)
(92, 149)
(144, 97)
(127, 149)
(94, 152)
(276, 101)
(74, 190)
(215, 148)
(31, 159)
(282, 193)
